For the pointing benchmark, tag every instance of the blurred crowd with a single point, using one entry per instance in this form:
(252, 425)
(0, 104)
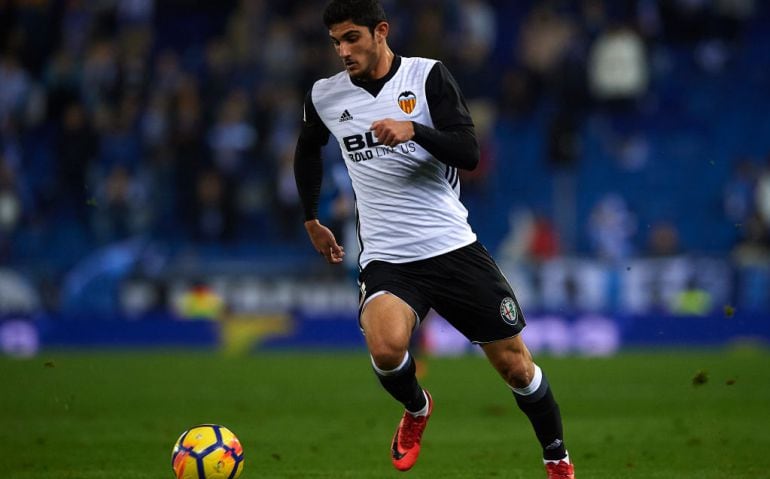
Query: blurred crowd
(177, 120)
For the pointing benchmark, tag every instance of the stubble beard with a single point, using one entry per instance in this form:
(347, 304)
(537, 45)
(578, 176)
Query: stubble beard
(366, 74)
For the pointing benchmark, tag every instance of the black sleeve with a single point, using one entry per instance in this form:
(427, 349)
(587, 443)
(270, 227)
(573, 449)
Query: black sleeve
(308, 164)
(453, 140)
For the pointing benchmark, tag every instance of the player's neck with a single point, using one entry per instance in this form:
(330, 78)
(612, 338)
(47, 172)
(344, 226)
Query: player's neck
(383, 65)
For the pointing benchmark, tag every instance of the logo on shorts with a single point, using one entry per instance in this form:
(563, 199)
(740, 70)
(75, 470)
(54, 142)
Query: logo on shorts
(508, 311)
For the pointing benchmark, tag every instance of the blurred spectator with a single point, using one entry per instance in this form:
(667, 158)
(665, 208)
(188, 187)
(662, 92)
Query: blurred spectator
(478, 30)
(62, 82)
(154, 124)
(75, 150)
(232, 138)
(34, 33)
(631, 149)
(188, 146)
(15, 87)
(213, 209)
(281, 60)
(245, 31)
(531, 238)
(430, 39)
(217, 75)
(120, 207)
(546, 36)
(100, 74)
(478, 27)
(738, 196)
(167, 75)
(134, 65)
(663, 239)
(612, 227)
(76, 27)
(617, 66)
(118, 129)
(753, 248)
(10, 209)
(762, 194)
(518, 93)
(484, 117)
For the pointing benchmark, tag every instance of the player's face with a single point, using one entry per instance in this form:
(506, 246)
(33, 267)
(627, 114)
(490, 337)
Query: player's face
(357, 47)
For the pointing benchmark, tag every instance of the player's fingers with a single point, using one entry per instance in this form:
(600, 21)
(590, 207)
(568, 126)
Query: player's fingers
(378, 133)
(333, 253)
(335, 256)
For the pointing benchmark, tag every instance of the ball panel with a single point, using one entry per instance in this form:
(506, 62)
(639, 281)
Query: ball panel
(230, 440)
(238, 470)
(219, 464)
(200, 438)
(185, 465)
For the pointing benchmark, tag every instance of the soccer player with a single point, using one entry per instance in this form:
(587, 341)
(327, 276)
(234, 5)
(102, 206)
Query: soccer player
(404, 130)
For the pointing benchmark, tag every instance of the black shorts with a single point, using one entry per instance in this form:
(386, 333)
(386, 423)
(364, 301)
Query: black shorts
(464, 286)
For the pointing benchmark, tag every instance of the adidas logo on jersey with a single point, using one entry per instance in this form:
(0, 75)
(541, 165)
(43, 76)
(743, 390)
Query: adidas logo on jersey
(345, 116)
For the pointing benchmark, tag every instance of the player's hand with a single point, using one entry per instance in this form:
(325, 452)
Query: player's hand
(324, 242)
(391, 132)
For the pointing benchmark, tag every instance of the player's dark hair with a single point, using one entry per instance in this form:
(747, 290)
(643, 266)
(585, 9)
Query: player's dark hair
(367, 13)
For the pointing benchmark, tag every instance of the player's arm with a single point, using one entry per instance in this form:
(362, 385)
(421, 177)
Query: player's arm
(308, 174)
(453, 140)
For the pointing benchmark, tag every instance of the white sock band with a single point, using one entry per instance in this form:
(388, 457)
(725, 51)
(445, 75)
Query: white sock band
(556, 461)
(390, 372)
(533, 386)
(424, 410)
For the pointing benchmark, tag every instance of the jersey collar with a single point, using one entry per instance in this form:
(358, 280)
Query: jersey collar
(375, 86)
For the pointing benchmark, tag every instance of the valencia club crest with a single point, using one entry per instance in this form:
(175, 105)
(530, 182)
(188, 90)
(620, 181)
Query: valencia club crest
(407, 101)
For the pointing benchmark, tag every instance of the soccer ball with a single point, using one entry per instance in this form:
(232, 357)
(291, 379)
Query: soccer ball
(208, 451)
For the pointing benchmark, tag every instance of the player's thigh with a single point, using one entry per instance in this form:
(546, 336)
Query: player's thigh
(387, 322)
(511, 358)
(478, 300)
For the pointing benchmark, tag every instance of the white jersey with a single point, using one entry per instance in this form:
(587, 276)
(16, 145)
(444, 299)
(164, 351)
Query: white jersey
(407, 201)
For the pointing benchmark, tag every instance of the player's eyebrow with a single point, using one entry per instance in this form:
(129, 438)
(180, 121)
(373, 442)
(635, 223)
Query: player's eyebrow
(346, 35)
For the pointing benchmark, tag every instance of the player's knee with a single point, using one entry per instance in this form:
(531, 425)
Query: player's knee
(386, 355)
(517, 370)
(387, 350)
(519, 375)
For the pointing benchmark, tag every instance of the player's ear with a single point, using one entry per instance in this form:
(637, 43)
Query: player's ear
(381, 31)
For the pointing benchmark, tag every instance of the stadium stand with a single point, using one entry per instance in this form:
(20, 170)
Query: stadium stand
(172, 124)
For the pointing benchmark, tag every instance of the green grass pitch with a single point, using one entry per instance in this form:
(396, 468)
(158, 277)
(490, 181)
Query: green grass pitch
(672, 414)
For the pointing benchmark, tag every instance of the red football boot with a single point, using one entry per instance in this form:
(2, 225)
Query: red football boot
(560, 470)
(406, 441)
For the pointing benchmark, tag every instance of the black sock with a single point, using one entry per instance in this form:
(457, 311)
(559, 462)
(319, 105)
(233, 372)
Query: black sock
(543, 412)
(402, 384)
